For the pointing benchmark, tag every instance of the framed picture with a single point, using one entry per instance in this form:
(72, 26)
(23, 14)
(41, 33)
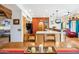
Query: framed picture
(15, 21)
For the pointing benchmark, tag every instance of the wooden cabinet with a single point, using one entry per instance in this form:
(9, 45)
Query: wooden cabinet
(39, 39)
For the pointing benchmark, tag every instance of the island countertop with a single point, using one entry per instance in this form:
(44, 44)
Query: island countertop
(49, 32)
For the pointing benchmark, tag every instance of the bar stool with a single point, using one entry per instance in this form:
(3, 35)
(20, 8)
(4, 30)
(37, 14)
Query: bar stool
(50, 37)
(31, 38)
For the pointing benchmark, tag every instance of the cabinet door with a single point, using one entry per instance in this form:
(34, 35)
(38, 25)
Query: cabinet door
(39, 39)
(77, 26)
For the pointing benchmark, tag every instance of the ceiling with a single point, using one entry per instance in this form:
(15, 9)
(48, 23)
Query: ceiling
(46, 10)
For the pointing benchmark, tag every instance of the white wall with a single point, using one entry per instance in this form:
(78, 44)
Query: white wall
(16, 36)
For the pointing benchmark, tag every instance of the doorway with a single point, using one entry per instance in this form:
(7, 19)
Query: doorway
(5, 25)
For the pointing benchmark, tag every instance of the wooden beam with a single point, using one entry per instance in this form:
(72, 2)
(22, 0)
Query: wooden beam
(7, 11)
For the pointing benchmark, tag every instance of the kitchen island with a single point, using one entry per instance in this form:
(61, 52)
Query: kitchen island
(40, 36)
